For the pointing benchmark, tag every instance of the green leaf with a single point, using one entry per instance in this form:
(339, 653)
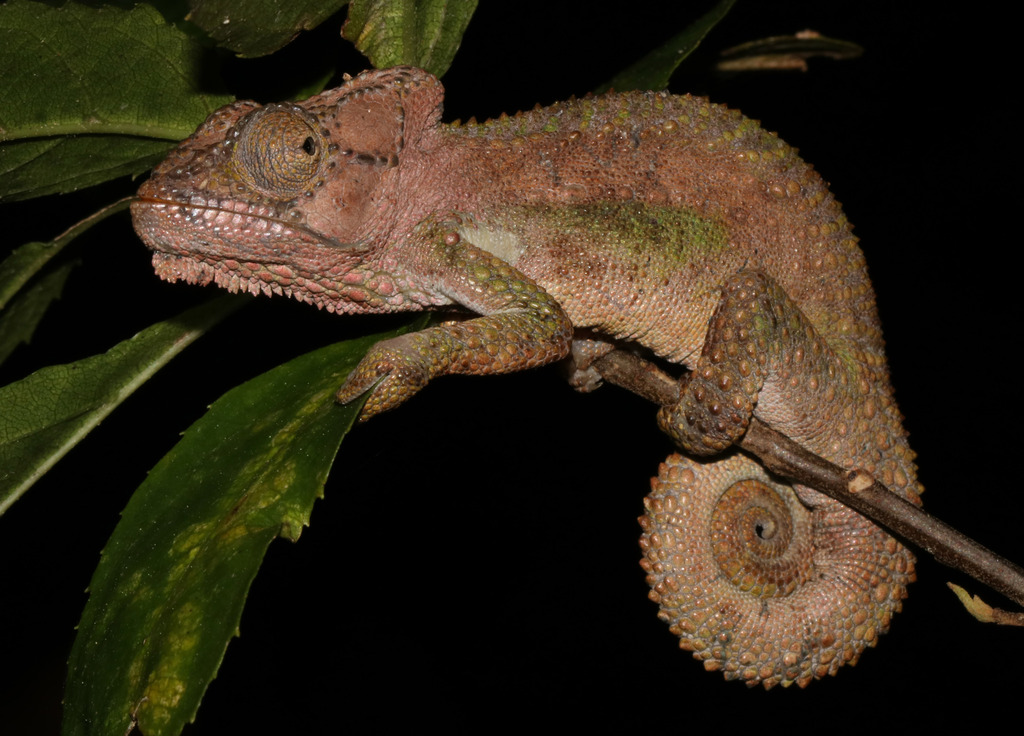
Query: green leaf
(423, 33)
(19, 321)
(25, 261)
(91, 94)
(60, 163)
(259, 27)
(653, 71)
(168, 594)
(47, 413)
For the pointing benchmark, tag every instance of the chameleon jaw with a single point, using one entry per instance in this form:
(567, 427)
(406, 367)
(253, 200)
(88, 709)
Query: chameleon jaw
(173, 229)
(203, 243)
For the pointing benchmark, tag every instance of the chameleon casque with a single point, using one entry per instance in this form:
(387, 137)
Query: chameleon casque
(646, 219)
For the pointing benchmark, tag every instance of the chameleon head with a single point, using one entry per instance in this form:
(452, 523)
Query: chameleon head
(293, 198)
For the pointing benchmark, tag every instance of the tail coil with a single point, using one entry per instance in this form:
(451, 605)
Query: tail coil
(760, 586)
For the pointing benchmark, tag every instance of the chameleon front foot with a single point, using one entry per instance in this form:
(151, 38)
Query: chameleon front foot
(522, 327)
(758, 586)
(393, 370)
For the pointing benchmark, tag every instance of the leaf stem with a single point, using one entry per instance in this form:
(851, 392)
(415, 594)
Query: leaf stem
(26, 260)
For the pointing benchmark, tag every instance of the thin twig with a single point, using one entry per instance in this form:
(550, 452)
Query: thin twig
(855, 488)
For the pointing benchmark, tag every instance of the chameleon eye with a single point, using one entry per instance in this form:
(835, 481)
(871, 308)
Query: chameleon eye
(279, 151)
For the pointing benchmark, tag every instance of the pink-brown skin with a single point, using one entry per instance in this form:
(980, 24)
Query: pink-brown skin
(638, 218)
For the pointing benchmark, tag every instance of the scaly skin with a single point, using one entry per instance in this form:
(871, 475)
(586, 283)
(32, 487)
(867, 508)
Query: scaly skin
(663, 221)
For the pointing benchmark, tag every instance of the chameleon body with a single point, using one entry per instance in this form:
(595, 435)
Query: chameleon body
(643, 218)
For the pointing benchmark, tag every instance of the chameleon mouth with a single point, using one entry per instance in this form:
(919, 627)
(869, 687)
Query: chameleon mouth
(216, 223)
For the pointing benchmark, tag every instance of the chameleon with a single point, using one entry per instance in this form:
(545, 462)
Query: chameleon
(642, 220)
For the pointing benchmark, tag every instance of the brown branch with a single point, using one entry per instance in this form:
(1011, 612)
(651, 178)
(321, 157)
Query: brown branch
(855, 488)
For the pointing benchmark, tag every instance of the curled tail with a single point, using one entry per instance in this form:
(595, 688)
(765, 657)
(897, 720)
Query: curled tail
(756, 584)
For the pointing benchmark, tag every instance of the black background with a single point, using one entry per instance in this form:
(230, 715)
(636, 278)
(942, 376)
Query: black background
(474, 562)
